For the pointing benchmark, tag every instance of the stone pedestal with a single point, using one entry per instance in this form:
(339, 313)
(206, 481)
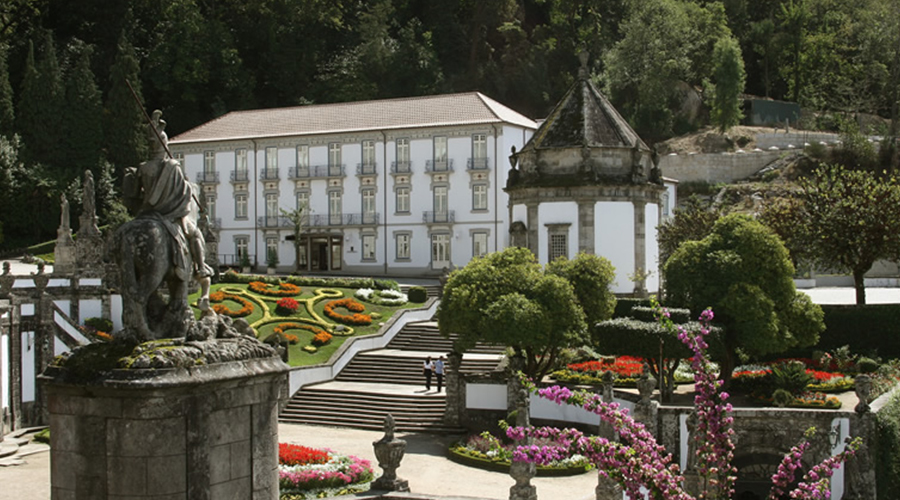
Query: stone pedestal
(207, 432)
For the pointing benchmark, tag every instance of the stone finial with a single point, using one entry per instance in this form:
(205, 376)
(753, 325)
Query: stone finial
(583, 57)
(863, 387)
(645, 384)
(389, 451)
(7, 268)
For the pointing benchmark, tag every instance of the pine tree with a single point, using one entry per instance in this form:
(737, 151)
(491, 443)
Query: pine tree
(83, 116)
(40, 105)
(7, 115)
(123, 124)
(728, 71)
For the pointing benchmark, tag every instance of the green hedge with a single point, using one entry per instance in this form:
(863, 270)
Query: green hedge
(628, 336)
(624, 305)
(677, 315)
(866, 329)
(233, 277)
(887, 468)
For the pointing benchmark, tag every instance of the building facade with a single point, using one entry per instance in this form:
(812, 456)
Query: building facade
(399, 187)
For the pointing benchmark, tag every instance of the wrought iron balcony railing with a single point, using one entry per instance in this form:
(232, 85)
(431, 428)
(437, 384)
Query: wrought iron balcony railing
(438, 166)
(359, 219)
(207, 177)
(478, 164)
(268, 174)
(438, 217)
(401, 167)
(273, 221)
(240, 175)
(366, 169)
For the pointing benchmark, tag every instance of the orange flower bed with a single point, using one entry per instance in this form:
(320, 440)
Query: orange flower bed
(283, 290)
(245, 310)
(300, 326)
(352, 306)
(321, 339)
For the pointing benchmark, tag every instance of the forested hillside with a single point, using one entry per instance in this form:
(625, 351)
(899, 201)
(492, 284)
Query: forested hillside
(64, 106)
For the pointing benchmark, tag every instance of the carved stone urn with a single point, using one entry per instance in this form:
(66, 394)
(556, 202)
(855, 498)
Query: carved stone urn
(389, 452)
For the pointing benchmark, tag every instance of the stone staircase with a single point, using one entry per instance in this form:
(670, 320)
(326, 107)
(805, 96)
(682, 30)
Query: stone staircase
(388, 380)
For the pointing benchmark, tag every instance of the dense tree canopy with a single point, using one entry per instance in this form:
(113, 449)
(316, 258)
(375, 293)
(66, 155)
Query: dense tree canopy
(743, 272)
(591, 277)
(506, 298)
(196, 60)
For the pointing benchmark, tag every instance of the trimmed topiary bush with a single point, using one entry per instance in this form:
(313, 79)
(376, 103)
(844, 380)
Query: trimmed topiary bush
(887, 468)
(677, 315)
(417, 294)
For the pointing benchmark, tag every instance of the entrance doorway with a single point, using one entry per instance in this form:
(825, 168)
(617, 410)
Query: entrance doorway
(325, 253)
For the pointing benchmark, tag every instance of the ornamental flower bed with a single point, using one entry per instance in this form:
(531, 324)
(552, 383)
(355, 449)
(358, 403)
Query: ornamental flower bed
(321, 339)
(757, 378)
(286, 306)
(626, 368)
(283, 290)
(351, 305)
(486, 451)
(245, 310)
(382, 298)
(310, 473)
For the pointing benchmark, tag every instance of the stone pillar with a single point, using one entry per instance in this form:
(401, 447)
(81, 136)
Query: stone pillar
(647, 410)
(640, 247)
(64, 253)
(607, 489)
(522, 472)
(533, 237)
(207, 432)
(456, 399)
(586, 227)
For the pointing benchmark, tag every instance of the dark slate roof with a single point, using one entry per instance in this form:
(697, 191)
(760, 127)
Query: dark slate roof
(585, 117)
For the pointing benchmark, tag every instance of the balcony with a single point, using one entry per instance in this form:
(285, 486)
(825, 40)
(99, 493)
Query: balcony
(240, 176)
(366, 169)
(361, 219)
(273, 221)
(298, 173)
(438, 166)
(401, 167)
(317, 172)
(439, 217)
(268, 174)
(207, 177)
(478, 164)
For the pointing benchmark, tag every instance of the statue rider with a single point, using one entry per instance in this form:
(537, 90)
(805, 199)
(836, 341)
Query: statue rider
(159, 188)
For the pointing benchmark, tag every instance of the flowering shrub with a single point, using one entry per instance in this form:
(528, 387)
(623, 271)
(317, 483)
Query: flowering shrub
(387, 297)
(352, 306)
(637, 461)
(308, 470)
(487, 447)
(286, 306)
(321, 339)
(294, 454)
(245, 310)
(283, 290)
(623, 366)
(757, 379)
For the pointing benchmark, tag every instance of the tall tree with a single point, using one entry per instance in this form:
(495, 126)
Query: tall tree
(591, 277)
(83, 116)
(506, 298)
(7, 115)
(40, 105)
(123, 120)
(729, 78)
(743, 272)
(793, 18)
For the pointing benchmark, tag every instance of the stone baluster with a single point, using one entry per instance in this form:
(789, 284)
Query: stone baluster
(522, 472)
(455, 390)
(863, 385)
(389, 451)
(646, 410)
(607, 489)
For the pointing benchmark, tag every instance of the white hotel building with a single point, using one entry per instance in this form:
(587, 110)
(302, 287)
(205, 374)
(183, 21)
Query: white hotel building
(398, 187)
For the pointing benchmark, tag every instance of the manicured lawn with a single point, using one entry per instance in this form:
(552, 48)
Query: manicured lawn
(309, 318)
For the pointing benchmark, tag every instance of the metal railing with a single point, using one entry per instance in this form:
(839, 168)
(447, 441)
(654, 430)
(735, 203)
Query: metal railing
(437, 217)
(273, 221)
(439, 166)
(478, 164)
(358, 219)
(207, 177)
(240, 175)
(268, 174)
(401, 167)
(366, 169)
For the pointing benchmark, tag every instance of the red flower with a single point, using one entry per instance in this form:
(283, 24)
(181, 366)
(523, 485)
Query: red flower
(293, 454)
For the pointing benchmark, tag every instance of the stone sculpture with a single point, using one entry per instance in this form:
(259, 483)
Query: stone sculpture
(389, 451)
(161, 245)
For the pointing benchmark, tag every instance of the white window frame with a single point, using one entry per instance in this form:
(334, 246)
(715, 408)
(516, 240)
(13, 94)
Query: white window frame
(368, 202)
(368, 247)
(402, 150)
(479, 146)
(403, 245)
(240, 161)
(209, 162)
(335, 207)
(368, 152)
(271, 205)
(210, 201)
(272, 158)
(479, 197)
(334, 154)
(441, 200)
(241, 246)
(303, 156)
(402, 195)
(479, 243)
(241, 206)
(440, 247)
(302, 199)
(440, 149)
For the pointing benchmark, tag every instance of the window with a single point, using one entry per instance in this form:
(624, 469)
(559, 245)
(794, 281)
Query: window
(241, 247)
(240, 206)
(334, 154)
(334, 207)
(440, 153)
(271, 209)
(303, 201)
(479, 197)
(271, 248)
(558, 245)
(440, 250)
(211, 207)
(440, 203)
(368, 153)
(209, 162)
(303, 156)
(403, 246)
(479, 152)
(272, 158)
(479, 244)
(368, 206)
(368, 247)
(402, 194)
(301, 255)
(179, 157)
(403, 155)
(240, 165)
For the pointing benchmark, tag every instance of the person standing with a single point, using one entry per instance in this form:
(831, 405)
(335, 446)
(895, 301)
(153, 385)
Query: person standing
(427, 369)
(439, 371)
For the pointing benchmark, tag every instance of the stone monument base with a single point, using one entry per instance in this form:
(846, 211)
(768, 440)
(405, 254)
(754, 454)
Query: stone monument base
(206, 432)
